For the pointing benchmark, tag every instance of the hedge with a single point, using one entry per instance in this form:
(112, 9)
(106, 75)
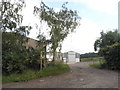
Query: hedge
(112, 56)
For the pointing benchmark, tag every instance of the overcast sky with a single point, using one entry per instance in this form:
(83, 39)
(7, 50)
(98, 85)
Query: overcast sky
(97, 15)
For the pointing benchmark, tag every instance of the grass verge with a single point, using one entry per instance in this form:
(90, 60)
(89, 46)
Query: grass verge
(96, 64)
(51, 70)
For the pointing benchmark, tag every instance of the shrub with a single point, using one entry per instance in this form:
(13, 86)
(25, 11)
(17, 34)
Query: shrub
(112, 56)
(15, 57)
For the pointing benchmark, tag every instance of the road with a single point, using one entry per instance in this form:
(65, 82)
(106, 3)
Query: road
(80, 76)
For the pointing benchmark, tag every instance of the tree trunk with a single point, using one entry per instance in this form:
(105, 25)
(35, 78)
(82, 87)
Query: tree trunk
(45, 59)
(41, 61)
(54, 55)
(54, 50)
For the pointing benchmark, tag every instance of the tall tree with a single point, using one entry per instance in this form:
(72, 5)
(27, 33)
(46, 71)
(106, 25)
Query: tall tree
(10, 16)
(106, 39)
(109, 48)
(11, 12)
(61, 23)
(13, 34)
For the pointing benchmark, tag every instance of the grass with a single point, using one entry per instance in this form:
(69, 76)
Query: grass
(51, 70)
(96, 64)
(99, 63)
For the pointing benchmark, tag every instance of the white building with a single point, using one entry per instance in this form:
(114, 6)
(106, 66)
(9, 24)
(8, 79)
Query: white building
(71, 57)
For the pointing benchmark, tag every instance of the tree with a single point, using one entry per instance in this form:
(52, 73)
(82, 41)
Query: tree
(10, 16)
(109, 48)
(41, 47)
(106, 39)
(13, 35)
(61, 23)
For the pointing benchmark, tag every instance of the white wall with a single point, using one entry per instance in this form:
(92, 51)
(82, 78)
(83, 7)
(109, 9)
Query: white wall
(77, 60)
(71, 57)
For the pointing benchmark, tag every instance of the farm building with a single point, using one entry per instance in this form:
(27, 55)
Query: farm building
(68, 57)
(71, 57)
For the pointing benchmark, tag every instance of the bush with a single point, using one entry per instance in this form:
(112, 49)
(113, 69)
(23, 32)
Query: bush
(112, 56)
(16, 57)
(18, 62)
(12, 63)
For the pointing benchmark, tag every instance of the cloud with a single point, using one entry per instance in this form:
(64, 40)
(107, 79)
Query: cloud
(82, 40)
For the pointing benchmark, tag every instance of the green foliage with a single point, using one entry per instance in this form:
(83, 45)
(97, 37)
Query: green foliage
(54, 69)
(89, 55)
(13, 37)
(109, 48)
(112, 56)
(27, 75)
(30, 74)
(11, 52)
(15, 55)
(106, 39)
(98, 63)
(11, 16)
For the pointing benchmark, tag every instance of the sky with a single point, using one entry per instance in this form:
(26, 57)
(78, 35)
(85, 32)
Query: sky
(96, 15)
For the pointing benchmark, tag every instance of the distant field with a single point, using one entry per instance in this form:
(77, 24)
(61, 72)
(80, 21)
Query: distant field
(87, 59)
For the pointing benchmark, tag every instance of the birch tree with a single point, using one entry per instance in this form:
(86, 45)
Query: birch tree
(61, 23)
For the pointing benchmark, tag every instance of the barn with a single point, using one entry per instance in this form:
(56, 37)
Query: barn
(71, 57)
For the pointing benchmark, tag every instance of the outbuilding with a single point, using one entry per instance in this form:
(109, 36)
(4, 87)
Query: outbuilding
(71, 57)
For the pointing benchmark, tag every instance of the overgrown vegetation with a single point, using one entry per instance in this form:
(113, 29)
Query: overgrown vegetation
(21, 62)
(14, 53)
(109, 48)
(52, 69)
(112, 56)
(96, 64)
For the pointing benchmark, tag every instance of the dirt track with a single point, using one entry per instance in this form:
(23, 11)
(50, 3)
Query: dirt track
(80, 76)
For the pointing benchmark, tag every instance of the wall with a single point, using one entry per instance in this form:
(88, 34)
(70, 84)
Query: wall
(71, 57)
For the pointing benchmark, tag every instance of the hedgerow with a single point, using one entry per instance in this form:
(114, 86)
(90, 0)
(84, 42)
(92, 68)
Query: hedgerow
(112, 56)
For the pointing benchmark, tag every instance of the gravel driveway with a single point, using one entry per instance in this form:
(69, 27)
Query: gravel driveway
(80, 76)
